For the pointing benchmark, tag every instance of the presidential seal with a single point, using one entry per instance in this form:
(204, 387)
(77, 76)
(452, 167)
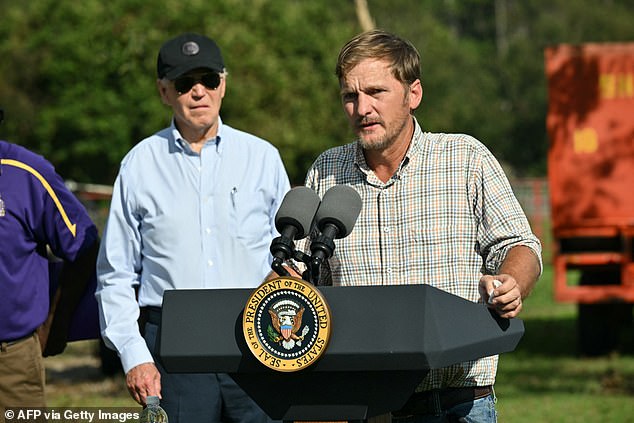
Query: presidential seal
(286, 324)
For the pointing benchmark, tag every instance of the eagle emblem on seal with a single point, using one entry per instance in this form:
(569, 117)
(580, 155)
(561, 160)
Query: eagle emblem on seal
(286, 319)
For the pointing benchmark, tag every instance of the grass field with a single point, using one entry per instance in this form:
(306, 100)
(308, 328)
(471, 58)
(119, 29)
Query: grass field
(74, 379)
(543, 380)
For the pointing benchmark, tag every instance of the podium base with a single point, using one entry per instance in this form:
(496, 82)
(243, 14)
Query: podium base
(351, 396)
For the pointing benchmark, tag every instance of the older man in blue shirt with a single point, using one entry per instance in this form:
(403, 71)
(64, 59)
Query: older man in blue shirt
(193, 207)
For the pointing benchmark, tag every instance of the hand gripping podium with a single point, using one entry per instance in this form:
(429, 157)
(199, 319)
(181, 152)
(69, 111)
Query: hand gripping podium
(384, 340)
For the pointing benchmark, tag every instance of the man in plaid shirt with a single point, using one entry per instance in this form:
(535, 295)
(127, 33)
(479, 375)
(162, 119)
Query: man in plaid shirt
(437, 209)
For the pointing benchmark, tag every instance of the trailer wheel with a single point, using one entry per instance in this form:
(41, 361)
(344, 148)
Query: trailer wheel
(605, 327)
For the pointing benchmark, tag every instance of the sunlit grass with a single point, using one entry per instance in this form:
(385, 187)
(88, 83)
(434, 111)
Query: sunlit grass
(545, 380)
(74, 379)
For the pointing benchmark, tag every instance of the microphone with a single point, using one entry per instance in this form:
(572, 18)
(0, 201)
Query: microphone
(335, 218)
(292, 221)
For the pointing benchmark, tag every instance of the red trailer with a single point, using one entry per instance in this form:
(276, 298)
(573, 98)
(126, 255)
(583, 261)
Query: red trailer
(590, 124)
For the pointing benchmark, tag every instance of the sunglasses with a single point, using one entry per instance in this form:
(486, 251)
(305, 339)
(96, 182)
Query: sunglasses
(210, 80)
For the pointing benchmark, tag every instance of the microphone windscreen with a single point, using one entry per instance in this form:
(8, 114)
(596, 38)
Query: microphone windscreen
(340, 206)
(297, 209)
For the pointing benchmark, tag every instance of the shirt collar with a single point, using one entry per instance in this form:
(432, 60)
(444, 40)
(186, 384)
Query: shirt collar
(415, 147)
(418, 140)
(183, 145)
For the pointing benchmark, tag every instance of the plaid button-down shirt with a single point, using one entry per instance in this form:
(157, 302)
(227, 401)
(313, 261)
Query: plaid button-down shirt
(447, 216)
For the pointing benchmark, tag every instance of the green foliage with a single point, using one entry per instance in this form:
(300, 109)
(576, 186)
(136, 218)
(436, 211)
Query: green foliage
(483, 63)
(78, 81)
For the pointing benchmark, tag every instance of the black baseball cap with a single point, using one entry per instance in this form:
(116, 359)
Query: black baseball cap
(187, 52)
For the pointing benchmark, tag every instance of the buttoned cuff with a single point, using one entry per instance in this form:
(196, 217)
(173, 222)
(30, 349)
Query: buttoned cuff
(134, 354)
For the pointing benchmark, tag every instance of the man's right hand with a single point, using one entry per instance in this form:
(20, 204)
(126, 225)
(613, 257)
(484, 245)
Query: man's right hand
(143, 381)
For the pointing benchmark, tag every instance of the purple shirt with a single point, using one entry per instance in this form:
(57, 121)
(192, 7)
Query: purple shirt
(36, 210)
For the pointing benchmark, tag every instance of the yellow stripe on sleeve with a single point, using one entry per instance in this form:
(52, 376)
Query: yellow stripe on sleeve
(72, 227)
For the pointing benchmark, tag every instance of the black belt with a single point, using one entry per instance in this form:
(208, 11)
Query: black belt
(439, 400)
(151, 314)
(17, 340)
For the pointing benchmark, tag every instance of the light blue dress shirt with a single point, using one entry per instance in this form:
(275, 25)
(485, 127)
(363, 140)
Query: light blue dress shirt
(182, 220)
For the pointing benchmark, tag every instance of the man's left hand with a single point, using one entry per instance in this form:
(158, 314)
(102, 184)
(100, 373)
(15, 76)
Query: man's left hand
(505, 298)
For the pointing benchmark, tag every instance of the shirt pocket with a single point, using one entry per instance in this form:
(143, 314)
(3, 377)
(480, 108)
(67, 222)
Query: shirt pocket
(249, 217)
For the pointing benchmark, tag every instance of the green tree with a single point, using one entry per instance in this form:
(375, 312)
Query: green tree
(483, 63)
(81, 76)
(78, 81)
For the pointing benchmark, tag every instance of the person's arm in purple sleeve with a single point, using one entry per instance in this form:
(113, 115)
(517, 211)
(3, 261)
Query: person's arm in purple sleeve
(73, 281)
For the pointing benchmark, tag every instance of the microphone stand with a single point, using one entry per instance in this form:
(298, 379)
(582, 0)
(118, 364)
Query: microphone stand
(282, 247)
(322, 248)
(285, 247)
(278, 268)
(306, 259)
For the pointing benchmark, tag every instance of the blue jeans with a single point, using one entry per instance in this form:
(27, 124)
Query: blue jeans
(479, 411)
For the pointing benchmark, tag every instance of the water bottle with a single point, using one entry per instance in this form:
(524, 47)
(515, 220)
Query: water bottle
(153, 412)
